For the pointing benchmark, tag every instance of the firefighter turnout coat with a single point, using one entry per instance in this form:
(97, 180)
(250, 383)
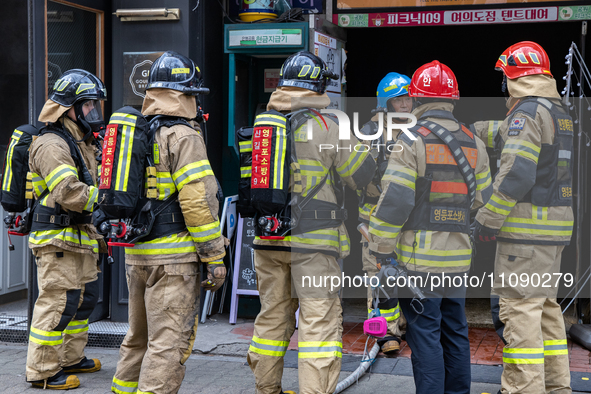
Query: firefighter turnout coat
(423, 212)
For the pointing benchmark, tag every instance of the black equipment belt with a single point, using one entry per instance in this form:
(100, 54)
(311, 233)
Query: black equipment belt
(45, 218)
(169, 219)
(338, 214)
(63, 220)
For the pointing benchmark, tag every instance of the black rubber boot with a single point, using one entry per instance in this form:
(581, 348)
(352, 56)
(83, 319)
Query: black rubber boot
(84, 366)
(59, 381)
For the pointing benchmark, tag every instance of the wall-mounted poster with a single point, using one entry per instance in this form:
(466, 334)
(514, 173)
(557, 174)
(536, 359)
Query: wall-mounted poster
(327, 48)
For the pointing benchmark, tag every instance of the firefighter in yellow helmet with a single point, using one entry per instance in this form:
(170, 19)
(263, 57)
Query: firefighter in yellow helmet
(423, 217)
(312, 248)
(392, 96)
(64, 172)
(163, 270)
(531, 216)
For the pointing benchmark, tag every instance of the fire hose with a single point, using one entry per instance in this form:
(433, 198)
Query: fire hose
(365, 364)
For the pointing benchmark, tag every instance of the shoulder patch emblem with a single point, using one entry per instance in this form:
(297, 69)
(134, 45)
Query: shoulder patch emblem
(515, 126)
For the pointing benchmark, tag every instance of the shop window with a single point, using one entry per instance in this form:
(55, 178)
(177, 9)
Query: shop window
(74, 40)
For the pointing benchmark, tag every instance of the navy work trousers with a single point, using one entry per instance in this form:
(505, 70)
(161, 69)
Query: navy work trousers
(438, 338)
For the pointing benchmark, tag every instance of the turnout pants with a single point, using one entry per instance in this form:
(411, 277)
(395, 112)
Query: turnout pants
(535, 357)
(389, 309)
(163, 307)
(320, 321)
(439, 340)
(68, 293)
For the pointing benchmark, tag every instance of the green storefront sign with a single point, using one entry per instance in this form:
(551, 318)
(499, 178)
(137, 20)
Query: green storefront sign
(573, 13)
(266, 37)
(354, 20)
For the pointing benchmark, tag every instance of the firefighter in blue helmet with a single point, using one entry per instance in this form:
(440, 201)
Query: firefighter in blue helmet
(392, 96)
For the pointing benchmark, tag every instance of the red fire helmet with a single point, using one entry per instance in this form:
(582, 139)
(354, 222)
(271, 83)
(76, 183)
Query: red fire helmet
(524, 58)
(434, 80)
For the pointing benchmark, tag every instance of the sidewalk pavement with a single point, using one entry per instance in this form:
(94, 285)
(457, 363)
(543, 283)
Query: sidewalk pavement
(216, 374)
(218, 363)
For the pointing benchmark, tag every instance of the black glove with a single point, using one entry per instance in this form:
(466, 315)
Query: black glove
(482, 233)
(98, 217)
(381, 257)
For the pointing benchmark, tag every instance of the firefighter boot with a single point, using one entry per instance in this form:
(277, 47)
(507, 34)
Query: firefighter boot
(390, 346)
(59, 381)
(84, 366)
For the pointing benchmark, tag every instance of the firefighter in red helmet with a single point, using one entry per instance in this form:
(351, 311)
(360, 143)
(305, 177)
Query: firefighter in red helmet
(423, 216)
(531, 216)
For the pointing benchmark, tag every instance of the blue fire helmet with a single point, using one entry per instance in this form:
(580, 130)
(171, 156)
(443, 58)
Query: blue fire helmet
(392, 85)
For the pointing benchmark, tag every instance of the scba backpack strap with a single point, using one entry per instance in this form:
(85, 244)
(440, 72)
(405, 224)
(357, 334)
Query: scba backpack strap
(167, 214)
(307, 213)
(47, 218)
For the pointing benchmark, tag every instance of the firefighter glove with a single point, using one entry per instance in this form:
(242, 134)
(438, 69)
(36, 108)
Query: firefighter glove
(482, 233)
(382, 258)
(216, 275)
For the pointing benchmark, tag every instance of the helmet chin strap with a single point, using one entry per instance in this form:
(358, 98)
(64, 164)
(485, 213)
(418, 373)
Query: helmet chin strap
(85, 127)
(504, 87)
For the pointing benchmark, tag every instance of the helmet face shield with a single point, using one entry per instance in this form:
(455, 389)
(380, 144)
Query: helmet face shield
(90, 112)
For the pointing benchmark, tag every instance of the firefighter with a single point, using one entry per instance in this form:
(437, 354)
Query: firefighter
(423, 218)
(313, 252)
(63, 240)
(487, 131)
(392, 96)
(531, 216)
(163, 269)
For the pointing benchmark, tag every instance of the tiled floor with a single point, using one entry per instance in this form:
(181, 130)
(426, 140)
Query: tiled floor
(485, 346)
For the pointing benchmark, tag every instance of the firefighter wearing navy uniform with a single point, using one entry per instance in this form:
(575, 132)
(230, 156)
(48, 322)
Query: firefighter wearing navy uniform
(64, 172)
(530, 215)
(163, 269)
(281, 263)
(423, 217)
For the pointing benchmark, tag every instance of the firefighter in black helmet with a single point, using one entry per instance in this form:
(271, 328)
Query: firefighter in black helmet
(64, 241)
(163, 269)
(312, 248)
